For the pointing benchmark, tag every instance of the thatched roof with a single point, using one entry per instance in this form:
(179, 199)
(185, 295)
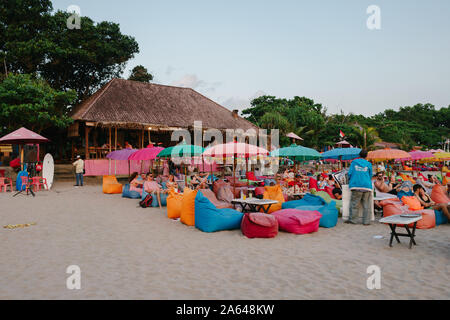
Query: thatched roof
(135, 104)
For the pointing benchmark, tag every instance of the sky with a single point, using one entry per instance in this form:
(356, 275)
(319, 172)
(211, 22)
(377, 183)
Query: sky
(233, 51)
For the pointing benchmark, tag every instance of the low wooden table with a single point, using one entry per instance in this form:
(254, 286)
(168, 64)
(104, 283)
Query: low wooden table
(394, 221)
(254, 204)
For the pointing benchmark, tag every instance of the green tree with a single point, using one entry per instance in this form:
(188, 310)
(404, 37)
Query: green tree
(140, 73)
(36, 41)
(32, 103)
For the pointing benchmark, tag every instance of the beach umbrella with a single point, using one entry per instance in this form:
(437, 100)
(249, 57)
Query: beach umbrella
(181, 151)
(23, 136)
(235, 150)
(123, 154)
(294, 136)
(149, 153)
(442, 155)
(388, 154)
(342, 153)
(297, 153)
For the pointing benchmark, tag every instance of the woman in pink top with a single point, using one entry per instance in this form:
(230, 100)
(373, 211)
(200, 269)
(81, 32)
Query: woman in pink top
(151, 186)
(136, 183)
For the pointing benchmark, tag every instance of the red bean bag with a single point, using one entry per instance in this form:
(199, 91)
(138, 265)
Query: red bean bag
(313, 184)
(393, 209)
(298, 221)
(439, 194)
(259, 225)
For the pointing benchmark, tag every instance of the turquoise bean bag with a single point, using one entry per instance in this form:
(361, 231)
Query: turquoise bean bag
(126, 193)
(19, 186)
(210, 219)
(440, 218)
(155, 203)
(315, 203)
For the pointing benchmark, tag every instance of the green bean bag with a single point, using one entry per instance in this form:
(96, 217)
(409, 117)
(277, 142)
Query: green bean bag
(325, 196)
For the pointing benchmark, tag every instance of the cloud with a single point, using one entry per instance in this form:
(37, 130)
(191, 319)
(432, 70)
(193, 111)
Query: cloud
(189, 81)
(240, 103)
(170, 70)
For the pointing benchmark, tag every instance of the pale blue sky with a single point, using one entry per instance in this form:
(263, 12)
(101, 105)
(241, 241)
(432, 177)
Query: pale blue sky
(232, 50)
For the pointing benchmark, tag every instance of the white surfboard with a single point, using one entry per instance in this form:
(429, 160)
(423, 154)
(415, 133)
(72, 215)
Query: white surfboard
(48, 169)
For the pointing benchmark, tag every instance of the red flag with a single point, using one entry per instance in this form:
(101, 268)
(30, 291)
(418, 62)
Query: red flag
(341, 134)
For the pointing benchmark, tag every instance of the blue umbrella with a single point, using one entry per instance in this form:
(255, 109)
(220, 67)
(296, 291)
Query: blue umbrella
(342, 154)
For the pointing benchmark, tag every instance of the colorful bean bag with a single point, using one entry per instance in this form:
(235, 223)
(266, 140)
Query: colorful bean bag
(111, 186)
(259, 191)
(208, 218)
(126, 193)
(311, 202)
(155, 203)
(298, 221)
(412, 202)
(174, 205)
(212, 197)
(428, 219)
(268, 182)
(225, 194)
(439, 194)
(440, 218)
(259, 225)
(274, 193)
(325, 196)
(188, 207)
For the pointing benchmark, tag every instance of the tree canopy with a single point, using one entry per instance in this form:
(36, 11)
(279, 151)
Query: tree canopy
(36, 41)
(140, 73)
(29, 102)
(419, 125)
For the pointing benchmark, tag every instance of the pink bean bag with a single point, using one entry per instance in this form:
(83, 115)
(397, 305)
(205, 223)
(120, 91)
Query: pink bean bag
(259, 225)
(298, 221)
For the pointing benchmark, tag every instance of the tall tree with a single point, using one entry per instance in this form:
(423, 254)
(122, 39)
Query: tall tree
(140, 73)
(32, 103)
(36, 41)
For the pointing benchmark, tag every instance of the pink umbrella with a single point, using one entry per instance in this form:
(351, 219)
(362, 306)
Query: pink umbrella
(23, 136)
(146, 154)
(294, 136)
(417, 155)
(235, 149)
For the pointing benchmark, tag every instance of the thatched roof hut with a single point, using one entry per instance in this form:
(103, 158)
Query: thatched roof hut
(132, 109)
(131, 104)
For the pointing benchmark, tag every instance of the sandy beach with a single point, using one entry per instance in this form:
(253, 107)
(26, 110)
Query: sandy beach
(126, 252)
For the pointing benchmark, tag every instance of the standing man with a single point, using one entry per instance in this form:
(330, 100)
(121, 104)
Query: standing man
(79, 171)
(360, 176)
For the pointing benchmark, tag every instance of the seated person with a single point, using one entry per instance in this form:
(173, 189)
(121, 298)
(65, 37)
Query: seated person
(382, 186)
(151, 186)
(294, 187)
(330, 181)
(170, 183)
(198, 179)
(321, 182)
(427, 203)
(136, 183)
(337, 192)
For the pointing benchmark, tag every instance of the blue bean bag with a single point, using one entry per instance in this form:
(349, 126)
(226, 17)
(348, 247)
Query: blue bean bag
(155, 203)
(267, 182)
(315, 203)
(19, 186)
(210, 219)
(126, 193)
(440, 218)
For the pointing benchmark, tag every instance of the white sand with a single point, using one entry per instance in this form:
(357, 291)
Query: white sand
(126, 252)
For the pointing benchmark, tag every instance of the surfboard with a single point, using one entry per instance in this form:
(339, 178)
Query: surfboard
(48, 169)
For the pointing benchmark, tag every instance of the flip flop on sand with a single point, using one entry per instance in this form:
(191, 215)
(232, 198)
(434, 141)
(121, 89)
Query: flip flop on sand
(18, 226)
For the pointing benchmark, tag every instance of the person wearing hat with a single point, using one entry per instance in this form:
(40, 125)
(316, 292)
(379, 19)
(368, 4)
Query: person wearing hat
(79, 171)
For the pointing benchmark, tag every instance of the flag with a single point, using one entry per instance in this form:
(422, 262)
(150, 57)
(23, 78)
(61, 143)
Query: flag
(341, 134)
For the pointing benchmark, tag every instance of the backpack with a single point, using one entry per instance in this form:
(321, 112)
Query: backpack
(147, 202)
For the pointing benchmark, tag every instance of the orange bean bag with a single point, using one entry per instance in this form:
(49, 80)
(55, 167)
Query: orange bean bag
(174, 204)
(111, 186)
(274, 193)
(412, 202)
(187, 215)
(428, 220)
(439, 194)
(407, 178)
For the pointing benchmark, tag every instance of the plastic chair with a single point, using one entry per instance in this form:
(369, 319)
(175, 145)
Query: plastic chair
(26, 182)
(5, 183)
(38, 182)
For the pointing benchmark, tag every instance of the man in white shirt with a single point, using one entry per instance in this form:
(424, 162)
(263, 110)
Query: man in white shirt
(79, 171)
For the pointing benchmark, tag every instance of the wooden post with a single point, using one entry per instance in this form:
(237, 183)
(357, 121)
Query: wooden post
(86, 137)
(110, 140)
(142, 139)
(115, 143)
